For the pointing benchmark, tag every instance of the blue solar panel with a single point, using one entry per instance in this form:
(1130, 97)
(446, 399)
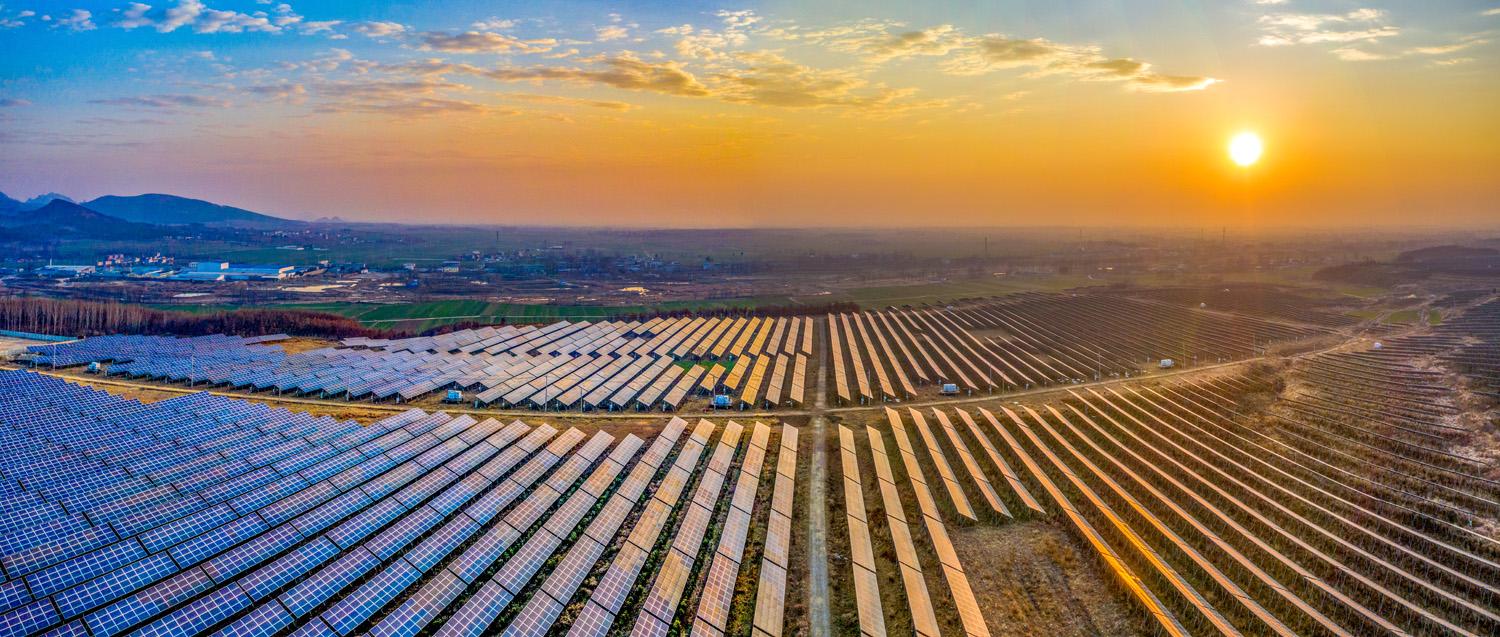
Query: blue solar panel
(423, 488)
(156, 515)
(71, 629)
(13, 594)
(199, 615)
(313, 591)
(136, 608)
(438, 545)
(329, 512)
(332, 466)
(218, 540)
(241, 558)
(477, 613)
(242, 483)
(359, 527)
(77, 600)
(29, 618)
(386, 483)
(83, 568)
(254, 500)
(189, 527)
(412, 615)
(458, 493)
(483, 552)
(403, 532)
(297, 503)
(270, 578)
(62, 548)
(266, 619)
(304, 459)
(359, 606)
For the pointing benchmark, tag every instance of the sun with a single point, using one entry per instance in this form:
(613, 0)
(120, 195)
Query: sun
(1244, 149)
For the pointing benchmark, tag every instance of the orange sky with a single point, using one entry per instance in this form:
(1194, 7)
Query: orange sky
(784, 116)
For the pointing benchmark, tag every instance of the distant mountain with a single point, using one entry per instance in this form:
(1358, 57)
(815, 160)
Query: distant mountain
(64, 220)
(35, 203)
(8, 205)
(173, 210)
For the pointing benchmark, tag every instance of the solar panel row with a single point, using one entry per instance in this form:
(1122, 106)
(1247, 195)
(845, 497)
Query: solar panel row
(770, 599)
(608, 596)
(718, 590)
(861, 552)
(953, 570)
(660, 605)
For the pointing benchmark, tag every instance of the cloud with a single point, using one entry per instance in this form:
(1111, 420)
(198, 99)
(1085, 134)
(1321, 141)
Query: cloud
(200, 18)
(379, 29)
(1045, 58)
(396, 98)
(611, 32)
(311, 28)
(618, 72)
(1491, 12)
(774, 81)
(882, 47)
(494, 24)
(481, 42)
(280, 91)
(78, 20)
(1453, 61)
(115, 121)
(738, 19)
(11, 102)
(164, 101)
(1285, 29)
(1462, 43)
(608, 105)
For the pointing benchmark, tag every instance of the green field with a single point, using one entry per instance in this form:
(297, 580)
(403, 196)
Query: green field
(1434, 317)
(1402, 316)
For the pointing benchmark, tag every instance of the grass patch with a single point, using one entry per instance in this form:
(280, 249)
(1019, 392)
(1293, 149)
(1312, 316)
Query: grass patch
(1368, 315)
(1434, 317)
(1401, 316)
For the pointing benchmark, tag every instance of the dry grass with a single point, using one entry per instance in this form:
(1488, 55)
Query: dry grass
(1032, 578)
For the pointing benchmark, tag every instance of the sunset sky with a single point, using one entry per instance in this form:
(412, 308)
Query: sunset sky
(763, 113)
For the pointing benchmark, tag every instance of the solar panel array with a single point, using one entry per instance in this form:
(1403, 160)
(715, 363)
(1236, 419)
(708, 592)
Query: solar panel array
(1027, 340)
(564, 366)
(207, 515)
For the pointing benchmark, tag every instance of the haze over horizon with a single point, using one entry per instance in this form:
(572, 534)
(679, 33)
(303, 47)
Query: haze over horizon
(763, 113)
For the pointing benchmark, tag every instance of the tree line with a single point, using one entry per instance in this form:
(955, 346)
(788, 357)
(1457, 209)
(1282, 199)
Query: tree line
(67, 317)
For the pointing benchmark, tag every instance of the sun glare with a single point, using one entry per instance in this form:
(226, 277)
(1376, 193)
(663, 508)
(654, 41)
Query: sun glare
(1245, 149)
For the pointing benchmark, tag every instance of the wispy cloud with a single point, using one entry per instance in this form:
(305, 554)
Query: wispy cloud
(1284, 29)
(481, 42)
(169, 101)
(1083, 62)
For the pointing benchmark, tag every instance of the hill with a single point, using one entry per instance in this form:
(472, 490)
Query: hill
(63, 220)
(173, 210)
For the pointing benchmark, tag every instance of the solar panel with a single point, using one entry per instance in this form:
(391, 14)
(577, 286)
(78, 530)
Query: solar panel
(346, 615)
(270, 578)
(477, 613)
